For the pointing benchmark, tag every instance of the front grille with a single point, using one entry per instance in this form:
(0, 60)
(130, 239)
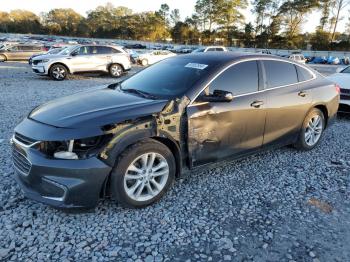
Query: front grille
(20, 162)
(344, 91)
(25, 140)
(344, 97)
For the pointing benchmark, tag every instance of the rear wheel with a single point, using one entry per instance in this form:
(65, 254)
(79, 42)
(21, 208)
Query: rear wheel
(2, 58)
(115, 70)
(143, 173)
(58, 72)
(312, 130)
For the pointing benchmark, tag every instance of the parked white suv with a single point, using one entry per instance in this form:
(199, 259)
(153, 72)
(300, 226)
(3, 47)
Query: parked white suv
(210, 49)
(298, 58)
(83, 58)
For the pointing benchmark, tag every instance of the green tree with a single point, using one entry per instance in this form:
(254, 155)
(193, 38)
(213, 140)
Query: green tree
(175, 16)
(63, 22)
(22, 21)
(4, 21)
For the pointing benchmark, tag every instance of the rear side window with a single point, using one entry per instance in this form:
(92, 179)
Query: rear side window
(103, 50)
(239, 79)
(303, 74)
(280, 73)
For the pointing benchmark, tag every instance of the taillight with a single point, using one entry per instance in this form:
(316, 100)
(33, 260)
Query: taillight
(337, 88)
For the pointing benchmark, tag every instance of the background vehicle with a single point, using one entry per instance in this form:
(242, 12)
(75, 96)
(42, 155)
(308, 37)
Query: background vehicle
(83, 58)
(149, 58)
(130, 139)
(298, 58)
(210, 49)
(342, 79)
(20, 52)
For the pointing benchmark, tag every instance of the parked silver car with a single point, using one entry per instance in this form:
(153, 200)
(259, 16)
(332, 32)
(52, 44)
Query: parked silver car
(20, 52)
(83, 58)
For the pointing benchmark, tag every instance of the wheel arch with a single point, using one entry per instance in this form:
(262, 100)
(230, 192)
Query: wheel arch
(115, 63)
(59, 63)
(4, 56)
(324, 110)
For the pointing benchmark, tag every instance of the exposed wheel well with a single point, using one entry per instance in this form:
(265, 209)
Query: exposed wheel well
(4, 57)
(175, 150)
(324, 110)
(59, 64)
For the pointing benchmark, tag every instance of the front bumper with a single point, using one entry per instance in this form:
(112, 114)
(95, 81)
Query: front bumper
(56, 182)
(40, 69)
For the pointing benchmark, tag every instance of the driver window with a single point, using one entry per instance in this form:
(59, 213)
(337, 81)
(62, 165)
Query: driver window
(84, 50)
(239, 79)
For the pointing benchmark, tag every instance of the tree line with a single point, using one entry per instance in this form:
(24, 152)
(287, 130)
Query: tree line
(278, 24)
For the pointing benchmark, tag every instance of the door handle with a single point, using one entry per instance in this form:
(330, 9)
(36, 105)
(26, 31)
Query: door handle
(302, 94)
(257, 104)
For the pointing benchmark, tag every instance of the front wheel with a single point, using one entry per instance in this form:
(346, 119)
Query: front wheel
(312, 130)
(58, 72)
(142, 174)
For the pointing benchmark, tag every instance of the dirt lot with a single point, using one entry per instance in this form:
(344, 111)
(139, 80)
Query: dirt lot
(281, 205)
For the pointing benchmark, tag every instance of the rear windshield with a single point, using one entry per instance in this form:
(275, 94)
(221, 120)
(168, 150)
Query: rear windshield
(168, 79)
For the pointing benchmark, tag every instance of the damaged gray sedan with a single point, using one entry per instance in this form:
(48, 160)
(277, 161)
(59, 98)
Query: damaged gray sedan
(129, 140)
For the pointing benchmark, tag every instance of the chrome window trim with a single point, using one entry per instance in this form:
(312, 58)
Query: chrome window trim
(259, 91)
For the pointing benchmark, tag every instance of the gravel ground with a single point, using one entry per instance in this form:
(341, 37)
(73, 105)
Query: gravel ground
(281, 205)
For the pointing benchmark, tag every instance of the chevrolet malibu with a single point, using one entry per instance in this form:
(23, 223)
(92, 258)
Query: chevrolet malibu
(131, 139)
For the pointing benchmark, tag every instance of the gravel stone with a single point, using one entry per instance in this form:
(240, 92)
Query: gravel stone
(236, 207)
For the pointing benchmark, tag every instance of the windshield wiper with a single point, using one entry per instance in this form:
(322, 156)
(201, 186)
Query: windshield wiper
(139, 92)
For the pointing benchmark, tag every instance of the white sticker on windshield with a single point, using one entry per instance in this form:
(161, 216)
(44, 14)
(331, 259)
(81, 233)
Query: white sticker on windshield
(196, 66)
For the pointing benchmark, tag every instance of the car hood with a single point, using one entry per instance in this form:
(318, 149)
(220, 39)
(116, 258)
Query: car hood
(342, 79)
(48, 56)
(95, 108)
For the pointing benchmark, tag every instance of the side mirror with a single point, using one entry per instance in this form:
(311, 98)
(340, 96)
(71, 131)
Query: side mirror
(74, 54)
(218, 96)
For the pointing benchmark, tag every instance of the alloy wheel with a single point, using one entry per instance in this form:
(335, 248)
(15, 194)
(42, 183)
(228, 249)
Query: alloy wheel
(146, 176)
(313, 130)
(59, 73)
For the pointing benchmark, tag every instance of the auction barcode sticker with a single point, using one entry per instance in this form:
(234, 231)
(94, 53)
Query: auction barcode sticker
(196, 66)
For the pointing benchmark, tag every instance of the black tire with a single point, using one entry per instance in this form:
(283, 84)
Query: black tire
(115, 70)
(58, 72)
(126, 159)
(2, 58)
(302, 142)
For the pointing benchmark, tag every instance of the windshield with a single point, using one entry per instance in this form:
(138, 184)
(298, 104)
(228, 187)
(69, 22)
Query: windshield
(346, 70)
(55, 51)
(67, 50)
(199, 50)
(167, 79)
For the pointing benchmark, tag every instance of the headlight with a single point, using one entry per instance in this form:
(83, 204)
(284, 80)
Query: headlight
(75, 149)
(45, 61)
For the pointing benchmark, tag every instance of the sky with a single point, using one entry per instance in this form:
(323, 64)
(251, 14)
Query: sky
(186, 8)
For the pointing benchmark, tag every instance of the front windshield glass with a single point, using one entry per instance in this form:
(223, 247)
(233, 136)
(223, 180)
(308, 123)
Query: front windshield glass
(167, 79)
(346, 70)
(199, 50)
(67, 50)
